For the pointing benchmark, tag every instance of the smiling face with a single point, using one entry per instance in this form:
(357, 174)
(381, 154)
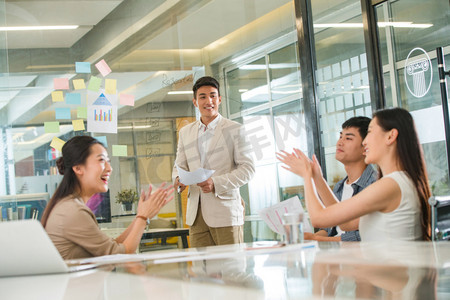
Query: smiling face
(93, 175)
(207, 100)
(349, 148)
(375, 142)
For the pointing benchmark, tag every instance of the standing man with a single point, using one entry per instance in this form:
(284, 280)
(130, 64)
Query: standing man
(350, 152)
(215, 211)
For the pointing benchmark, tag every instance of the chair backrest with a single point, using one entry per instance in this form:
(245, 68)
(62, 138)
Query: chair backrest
(440, 218)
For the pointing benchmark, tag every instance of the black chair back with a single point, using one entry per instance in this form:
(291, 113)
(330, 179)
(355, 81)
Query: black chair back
(440, 218)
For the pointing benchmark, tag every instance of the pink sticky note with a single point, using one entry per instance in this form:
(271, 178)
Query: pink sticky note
(61, 83)
(103, 67)
(125, 99)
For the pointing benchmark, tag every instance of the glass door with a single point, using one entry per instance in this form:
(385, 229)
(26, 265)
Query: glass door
(409, 33)
(264, 94)
(341, 73)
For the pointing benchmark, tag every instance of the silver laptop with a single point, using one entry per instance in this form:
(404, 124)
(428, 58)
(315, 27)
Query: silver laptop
(26, 249)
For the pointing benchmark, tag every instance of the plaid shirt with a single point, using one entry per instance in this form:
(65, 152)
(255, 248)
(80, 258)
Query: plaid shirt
(367, 178)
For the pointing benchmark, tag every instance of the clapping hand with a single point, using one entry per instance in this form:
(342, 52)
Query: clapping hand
(150, 203)
(296, 162)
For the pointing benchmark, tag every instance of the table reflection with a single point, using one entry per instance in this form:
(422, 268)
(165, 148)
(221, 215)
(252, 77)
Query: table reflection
(372, 281)
(370, 273)
(326, 270)
(341, 270)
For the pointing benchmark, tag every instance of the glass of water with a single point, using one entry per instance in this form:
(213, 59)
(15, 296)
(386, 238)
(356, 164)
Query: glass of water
(293, 227)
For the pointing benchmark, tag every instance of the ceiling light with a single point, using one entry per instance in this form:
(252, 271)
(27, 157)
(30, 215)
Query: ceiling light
(339, 25)
(404, 25)
(50, 66)
(271, 66)
(380, 24)
(287, 92)
(253, 67)
(179, 92)
(134, 127)
(28, 28)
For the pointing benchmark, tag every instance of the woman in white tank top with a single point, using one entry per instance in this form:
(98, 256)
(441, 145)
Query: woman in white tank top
(394, 207)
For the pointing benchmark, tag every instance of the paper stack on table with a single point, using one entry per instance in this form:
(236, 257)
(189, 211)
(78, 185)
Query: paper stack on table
(272, 215)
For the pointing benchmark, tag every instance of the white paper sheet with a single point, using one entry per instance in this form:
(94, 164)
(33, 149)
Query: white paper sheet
(101, 112)
(272, 215)
(197, 176)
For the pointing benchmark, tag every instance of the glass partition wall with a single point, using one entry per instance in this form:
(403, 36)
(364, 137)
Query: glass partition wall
(341, 73)
(264, 93)
(4, 176)
(409, 33)
(155, 51)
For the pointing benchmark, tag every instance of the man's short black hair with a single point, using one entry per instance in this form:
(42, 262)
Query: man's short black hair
(362, 123)
(206, 81)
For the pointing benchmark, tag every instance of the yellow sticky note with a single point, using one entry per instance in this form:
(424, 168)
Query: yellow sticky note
(57, 143)
(51, 127)
(57, 96)
(79, 84)
(82, 112)
(119, 150)
(78, 125)
(110, 86)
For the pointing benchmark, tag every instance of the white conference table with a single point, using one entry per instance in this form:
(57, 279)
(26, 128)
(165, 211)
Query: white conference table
(401, 270)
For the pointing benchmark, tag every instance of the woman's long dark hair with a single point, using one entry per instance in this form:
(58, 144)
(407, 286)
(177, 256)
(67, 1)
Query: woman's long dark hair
(410, 155)
(74, 152)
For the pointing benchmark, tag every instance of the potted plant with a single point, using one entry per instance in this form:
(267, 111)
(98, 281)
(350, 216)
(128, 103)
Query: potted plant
(127, 197)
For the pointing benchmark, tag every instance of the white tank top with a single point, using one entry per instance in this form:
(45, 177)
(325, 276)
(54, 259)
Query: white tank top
(401, 224)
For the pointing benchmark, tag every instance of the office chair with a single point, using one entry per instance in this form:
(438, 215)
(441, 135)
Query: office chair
(440, 218)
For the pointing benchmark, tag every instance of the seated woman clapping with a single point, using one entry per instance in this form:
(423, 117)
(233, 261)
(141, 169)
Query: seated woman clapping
(395, 206)
(71, 225)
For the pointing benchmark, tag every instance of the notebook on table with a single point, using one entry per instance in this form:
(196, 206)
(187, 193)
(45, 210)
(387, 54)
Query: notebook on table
(26, 249)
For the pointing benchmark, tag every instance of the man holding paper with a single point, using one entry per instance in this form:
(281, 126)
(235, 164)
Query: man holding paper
(215, 211)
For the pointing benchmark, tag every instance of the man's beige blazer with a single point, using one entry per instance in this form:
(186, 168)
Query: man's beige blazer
(229, 154)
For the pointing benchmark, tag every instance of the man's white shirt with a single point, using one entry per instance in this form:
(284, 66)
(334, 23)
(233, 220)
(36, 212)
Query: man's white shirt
(347, 193)
(205, 134)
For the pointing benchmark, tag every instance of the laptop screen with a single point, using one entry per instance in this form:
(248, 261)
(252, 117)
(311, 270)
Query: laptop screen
(26, 249)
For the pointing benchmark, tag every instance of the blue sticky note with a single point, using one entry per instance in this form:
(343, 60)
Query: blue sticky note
(62, 113)
(82, 67)
(49, 155)
(102, 139)
(73, 98)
